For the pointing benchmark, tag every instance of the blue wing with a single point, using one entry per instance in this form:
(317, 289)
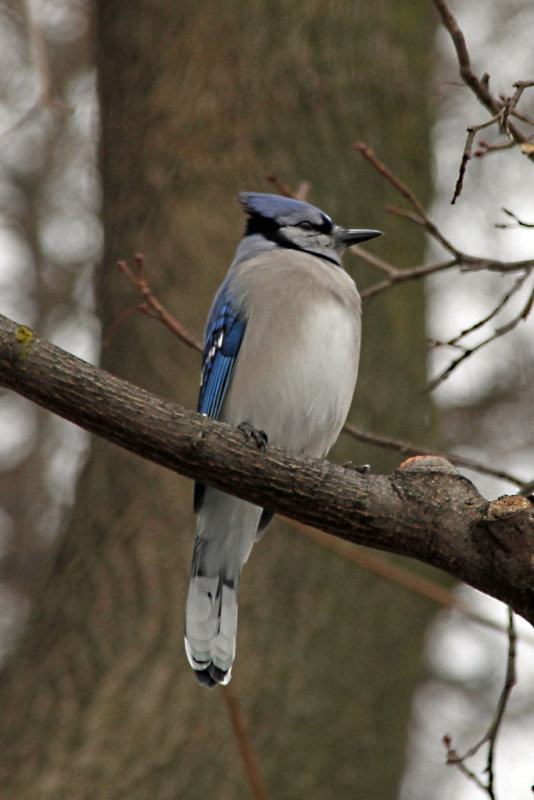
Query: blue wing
(224, 334)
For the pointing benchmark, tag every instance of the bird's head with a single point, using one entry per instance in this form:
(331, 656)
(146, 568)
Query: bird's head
(299, 226)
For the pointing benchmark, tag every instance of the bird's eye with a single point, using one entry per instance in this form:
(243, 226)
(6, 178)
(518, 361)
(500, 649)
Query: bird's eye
(305, 225)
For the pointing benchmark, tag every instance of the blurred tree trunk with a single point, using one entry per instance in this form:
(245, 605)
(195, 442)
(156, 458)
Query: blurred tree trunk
(198, 102)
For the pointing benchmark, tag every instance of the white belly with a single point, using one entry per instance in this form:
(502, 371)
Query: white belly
(298, 388)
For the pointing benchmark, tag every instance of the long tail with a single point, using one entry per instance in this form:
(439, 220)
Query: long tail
(211, 628)
(226, 531)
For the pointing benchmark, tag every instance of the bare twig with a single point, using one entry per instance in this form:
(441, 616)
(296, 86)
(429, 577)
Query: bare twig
(501, 109)
(280, 186)
(490, 737)
(246, 748)
(518, 222)
(459, 259)
(410, 449)
(523, 314)
(403, 275)
(152, 306)
(395, 275)
(299, 194)
(519, 114)
(520, 87)
(477, 264)
(486, 147)
(477, 325)
(479, 86)
(395, 573)
(445, 83)
(502, 119)
(472, 131)
(372, 259)
(401, 187)
(421, 218)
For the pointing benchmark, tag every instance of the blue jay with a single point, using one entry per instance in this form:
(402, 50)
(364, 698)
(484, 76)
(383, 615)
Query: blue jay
(281, 352)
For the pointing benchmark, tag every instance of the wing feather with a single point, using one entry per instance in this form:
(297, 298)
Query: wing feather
(224, 334)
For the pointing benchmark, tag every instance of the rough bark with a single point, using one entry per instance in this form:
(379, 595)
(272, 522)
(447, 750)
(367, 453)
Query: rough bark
(425, 510)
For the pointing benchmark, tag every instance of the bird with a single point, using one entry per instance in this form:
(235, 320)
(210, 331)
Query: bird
(280, 360)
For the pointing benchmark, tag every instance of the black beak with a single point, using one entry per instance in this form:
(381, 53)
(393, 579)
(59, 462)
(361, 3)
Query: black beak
(344, 237)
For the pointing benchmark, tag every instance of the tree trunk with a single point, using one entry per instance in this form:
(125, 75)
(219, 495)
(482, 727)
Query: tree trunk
(99, 701)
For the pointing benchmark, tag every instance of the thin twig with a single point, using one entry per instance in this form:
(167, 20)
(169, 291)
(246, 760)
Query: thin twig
(509, 683)
(519, 222)
(401, 187)
(472, 131)
(502, 119)
(395, 573)
(280, 186)
(463, 260)
(409, 215)
(523, 314)
(410, 449)
(395, 275)
(477, 264)
(404, 275)
(461, 767)
(486, 147)
(284, 189)
(479, 86)
(246, 748)
(519, 85)
(500, 109)
(490, 737)
(372, 259)
(493, 313)
(152, 306)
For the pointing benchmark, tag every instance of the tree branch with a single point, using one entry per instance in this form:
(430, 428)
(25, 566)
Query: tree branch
(411, 449)
(424, 510)
(490, 737)
(152, 306)
(248, 753)
(155, 309)
(479, 86)
(458, 258)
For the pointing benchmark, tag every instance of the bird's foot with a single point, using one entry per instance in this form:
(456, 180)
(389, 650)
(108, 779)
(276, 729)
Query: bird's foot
(250, 432)
(363, 469)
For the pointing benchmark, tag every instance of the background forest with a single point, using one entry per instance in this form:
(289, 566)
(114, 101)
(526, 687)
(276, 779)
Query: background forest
(127, 132)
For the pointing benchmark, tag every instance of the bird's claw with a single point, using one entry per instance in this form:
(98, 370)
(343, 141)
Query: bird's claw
(250, 432)
(363, 469)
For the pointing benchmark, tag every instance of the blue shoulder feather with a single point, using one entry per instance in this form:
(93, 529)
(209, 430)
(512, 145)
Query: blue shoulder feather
(224, 334)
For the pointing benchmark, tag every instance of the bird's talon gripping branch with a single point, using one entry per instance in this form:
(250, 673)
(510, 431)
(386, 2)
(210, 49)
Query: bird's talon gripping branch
(250, 432)
(363, 469)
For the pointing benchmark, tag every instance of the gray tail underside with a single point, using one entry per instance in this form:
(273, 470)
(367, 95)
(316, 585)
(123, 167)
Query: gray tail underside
(211, 628)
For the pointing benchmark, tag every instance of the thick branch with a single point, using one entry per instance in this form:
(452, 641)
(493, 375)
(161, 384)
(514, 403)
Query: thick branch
(425, 510)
